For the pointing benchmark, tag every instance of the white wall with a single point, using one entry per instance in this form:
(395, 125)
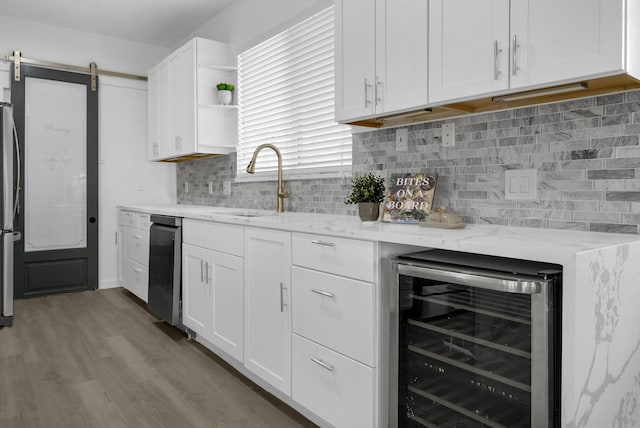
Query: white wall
(246, 23)
(122, 122)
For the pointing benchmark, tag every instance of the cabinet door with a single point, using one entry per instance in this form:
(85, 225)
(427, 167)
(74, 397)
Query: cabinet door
(355, 59)
(559, 40)
(468, 48)
(267, 316)
(196, 295)
(401, 55)
(158, 96)
(182, 99)
(225, 277)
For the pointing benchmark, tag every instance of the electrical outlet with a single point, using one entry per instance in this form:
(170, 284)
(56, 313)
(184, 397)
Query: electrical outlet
(402, 140)
(210, 184)
(226, 187)
(448, 135)
(140, 185)
(185, 187)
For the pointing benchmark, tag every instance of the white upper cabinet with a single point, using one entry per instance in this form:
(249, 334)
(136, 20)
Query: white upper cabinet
(182, 99)
(468, 48)
(554, 41)
(186, 120)
(480, 47)
(381, 57)
(355, 58)
(158, 81)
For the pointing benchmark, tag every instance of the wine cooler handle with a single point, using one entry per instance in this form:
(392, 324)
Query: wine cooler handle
(496, 282)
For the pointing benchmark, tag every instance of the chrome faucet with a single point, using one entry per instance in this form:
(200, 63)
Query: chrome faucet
(282, 193)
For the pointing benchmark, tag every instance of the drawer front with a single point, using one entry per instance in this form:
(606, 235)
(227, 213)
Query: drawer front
(137, 245)
(144, 221)
(347, 257)
(334, 387)
(226, 238)
(332, 310)
(127, 218)
(136, 279)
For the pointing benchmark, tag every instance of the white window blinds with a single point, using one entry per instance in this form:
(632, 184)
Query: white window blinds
(286, 98)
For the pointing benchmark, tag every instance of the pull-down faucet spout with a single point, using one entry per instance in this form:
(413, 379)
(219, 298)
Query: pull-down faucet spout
(282, 193)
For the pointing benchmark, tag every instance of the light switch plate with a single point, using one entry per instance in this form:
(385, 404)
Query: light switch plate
(448, 134)
(521, 184)
(402, 140)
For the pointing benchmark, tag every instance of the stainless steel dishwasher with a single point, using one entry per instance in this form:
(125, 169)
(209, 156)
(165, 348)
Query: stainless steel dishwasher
(165, 272)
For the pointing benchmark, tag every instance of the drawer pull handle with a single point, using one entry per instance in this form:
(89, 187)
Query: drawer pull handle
(322, 364)
(282, 304)
(137, 236)
(137, 270)
(326, 244)
(323, 293)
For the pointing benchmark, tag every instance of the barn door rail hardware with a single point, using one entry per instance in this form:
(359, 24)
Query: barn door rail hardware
(17, 59)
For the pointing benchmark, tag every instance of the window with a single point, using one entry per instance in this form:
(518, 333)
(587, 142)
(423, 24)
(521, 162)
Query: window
(286, 98)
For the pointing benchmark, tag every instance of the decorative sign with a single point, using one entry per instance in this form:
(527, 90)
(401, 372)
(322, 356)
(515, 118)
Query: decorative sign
(409, 197)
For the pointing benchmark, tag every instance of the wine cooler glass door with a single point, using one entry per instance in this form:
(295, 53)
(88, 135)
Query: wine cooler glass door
(469, 356)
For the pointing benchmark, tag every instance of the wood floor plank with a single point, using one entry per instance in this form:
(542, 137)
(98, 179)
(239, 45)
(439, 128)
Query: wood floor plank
(100, 359)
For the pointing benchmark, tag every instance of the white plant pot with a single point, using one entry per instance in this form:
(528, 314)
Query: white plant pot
(224, 97)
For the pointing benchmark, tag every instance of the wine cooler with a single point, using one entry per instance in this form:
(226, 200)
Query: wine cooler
(475, 341)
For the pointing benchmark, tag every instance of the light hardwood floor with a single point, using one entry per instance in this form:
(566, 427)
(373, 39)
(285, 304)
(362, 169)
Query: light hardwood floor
(99, 359)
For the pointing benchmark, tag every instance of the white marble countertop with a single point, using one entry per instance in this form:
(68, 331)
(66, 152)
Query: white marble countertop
(555, 246)
(600, 336)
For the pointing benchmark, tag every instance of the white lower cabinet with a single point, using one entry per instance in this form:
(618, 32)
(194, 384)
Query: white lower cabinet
(296, 312)
(133, 250)
(334, 362)
(267, 314)
(213, 291)
(336, 388)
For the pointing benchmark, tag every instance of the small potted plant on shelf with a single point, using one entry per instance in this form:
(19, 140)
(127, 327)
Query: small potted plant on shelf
(368, 192)
(225, 93)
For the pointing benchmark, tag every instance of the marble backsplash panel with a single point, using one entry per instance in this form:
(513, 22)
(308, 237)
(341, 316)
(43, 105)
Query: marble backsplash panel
(586, 152)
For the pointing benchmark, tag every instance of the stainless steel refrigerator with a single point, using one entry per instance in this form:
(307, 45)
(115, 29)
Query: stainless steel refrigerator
(8, 206)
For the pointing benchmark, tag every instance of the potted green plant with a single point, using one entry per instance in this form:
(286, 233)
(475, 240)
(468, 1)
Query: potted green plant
(368, 192)
(225, 93)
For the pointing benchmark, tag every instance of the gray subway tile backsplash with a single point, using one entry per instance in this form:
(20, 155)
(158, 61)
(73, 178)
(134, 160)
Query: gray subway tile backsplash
(586, 151)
